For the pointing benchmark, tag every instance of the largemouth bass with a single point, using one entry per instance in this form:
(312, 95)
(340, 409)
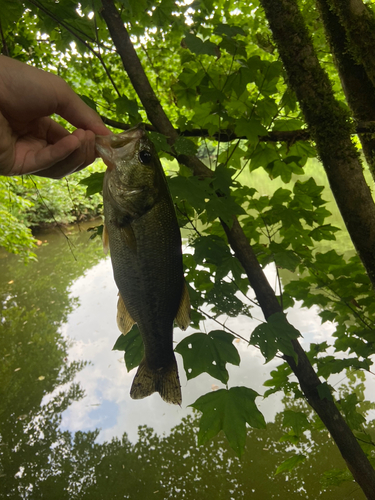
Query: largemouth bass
(145, 245)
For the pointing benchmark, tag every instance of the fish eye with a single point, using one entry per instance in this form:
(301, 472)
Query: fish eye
(145, 157)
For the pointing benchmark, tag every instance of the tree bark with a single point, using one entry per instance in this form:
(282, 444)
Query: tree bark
(359, 24)
(308, 379)
(358, 88)
(330, 126)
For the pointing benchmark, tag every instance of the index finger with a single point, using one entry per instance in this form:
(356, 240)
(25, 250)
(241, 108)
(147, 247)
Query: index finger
(71, 107)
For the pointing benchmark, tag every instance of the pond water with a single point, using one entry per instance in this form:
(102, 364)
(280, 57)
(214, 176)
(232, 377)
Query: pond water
(68, 426)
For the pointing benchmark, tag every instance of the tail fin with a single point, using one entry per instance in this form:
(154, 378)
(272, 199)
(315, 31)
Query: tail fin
(165, 381)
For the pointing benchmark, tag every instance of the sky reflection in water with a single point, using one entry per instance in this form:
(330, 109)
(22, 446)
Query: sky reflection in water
(107, 405)
(59, 296)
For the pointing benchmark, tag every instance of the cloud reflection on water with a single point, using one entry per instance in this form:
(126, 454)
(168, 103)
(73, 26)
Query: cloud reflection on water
(93, 330)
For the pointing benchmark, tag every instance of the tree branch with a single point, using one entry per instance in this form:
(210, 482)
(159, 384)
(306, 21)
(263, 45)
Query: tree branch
(289, 136)
(134, 69)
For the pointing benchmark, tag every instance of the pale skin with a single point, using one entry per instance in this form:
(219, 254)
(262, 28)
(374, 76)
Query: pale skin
(31, 142)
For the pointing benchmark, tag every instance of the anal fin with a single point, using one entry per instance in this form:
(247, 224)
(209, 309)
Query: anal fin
(124, 320)
(183, 313)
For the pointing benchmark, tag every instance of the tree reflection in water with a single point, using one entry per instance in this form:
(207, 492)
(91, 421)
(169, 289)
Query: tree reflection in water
(34, 302)
(39, 461)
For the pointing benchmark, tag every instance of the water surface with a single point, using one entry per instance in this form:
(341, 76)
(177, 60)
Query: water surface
(68, 426)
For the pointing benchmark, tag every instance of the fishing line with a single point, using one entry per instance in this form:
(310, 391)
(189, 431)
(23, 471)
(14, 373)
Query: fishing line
(70, 244)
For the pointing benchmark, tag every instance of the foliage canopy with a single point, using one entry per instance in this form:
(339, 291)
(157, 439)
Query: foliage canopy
(232, 108)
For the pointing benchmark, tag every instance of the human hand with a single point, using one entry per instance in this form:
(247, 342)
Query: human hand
(30, 141)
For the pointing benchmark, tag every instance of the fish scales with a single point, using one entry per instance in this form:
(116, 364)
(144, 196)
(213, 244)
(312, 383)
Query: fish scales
(145, 245)
(150, 279)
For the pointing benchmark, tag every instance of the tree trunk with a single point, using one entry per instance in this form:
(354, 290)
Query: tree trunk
(330, 126)
(358, 88)
(359, 24)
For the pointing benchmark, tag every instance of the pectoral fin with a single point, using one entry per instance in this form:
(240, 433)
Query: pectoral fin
(183, 313)
(105, 238)
(124, 320)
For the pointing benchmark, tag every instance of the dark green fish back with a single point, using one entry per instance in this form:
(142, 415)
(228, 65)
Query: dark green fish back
(145, 245)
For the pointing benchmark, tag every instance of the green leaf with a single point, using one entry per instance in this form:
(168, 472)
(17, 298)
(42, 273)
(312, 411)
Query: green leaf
(223, 207)
(335, 477)
(239, 80)
(330, 365)
(229, 411)
(287, 260)
(192, 190)
(108, 96)
(229, 31)
(199, 47)
(11, 12)
(281, 169)
(324, 391)
(263, 156)
(222, 295)
(223, 179)
(211, 249)
(208, 353)
(266, 109)
(132, 344)
(184, 146)
(296, 420)
(200, 194)
(159, 141)
(290, 464)
(96, 231)
(327, 316)
(287, 124)
(191, 78)
(120, 344)
(280, 196)
(250, 128)
(275, 335)
(325, 232)
(127, 106)
(94, 183)
(234, 47)
(211, 96)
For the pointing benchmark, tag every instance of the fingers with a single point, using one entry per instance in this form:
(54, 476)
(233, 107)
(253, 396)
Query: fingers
(28, 93)
(75, 111)
(68, 155)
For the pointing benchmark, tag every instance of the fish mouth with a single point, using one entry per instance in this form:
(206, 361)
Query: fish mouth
(115, 147)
